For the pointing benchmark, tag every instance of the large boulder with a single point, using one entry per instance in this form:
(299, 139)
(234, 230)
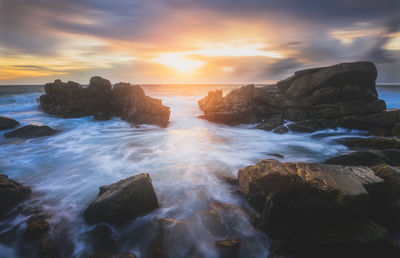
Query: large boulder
(31, 131)
(103, 101)
(308, 204)
(123, 201)
(7, 123)
(11, 193)
(339, 95)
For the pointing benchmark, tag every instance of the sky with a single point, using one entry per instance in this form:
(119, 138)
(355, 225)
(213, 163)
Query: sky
(189, 41)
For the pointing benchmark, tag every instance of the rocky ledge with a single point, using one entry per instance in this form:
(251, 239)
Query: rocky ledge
(322, 208)
(340, 95)
(103, 101)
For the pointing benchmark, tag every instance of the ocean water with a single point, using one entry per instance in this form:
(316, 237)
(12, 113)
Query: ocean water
(186, 162)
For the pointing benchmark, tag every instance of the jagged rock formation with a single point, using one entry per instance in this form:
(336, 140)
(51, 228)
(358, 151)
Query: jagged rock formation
(326, 97)
(102, 100)
(123, 201)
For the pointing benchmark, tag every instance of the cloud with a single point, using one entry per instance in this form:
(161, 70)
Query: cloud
(79, 37)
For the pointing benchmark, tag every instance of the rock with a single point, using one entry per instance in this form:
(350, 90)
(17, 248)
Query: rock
(385, 200)
(299, 200)
(228, 247)
(112, 255)
(377, 143)
(11, 193)
(7, 123)
(381, 123)
(31, 131)
(391, 177)
(367, 158)
(37, 227)
(326, 97)
(131, 104)
(102, 100)
(102, 116)
(123, 201)
(100, 239)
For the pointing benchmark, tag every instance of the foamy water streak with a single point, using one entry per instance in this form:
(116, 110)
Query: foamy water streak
(185, 161)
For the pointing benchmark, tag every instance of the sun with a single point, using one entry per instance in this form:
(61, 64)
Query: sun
(178, 62)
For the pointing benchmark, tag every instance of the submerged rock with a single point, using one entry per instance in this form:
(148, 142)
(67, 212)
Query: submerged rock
(327, 97)
(31, 131)
(123, 201)
(102, 100)
(7, 123)
(100, 239)
(300, 202)
(37, 227)
(11, 193)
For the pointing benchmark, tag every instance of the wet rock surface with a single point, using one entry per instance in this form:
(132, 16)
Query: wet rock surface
(7, 123)
(11, 193)
(31, 131)
(100, 239)
(377, 143)
(37, 227)
(123, 201)
(367, 158)
(316, 208)
(103, 101)
(327, 97)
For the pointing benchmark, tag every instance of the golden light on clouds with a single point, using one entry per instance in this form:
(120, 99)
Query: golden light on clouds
(347, 35)
(186, 62)
(394, 42)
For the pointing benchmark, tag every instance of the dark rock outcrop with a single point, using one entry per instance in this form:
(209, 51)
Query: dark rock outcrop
(123, 201)
(327, 97)
(7, 123)
(367, 158)
(102, 100)
(31, 131)
(315, 206)
(11, 193)
(377, 143)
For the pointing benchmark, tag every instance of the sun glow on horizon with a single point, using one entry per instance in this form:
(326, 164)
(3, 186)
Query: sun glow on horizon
(178, 62)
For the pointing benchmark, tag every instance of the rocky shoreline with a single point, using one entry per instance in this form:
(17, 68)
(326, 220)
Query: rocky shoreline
(346, 206)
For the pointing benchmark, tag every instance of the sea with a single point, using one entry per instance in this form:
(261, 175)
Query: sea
(187, 162)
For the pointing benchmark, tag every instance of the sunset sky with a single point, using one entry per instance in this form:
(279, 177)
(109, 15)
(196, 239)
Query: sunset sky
(188, 41)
